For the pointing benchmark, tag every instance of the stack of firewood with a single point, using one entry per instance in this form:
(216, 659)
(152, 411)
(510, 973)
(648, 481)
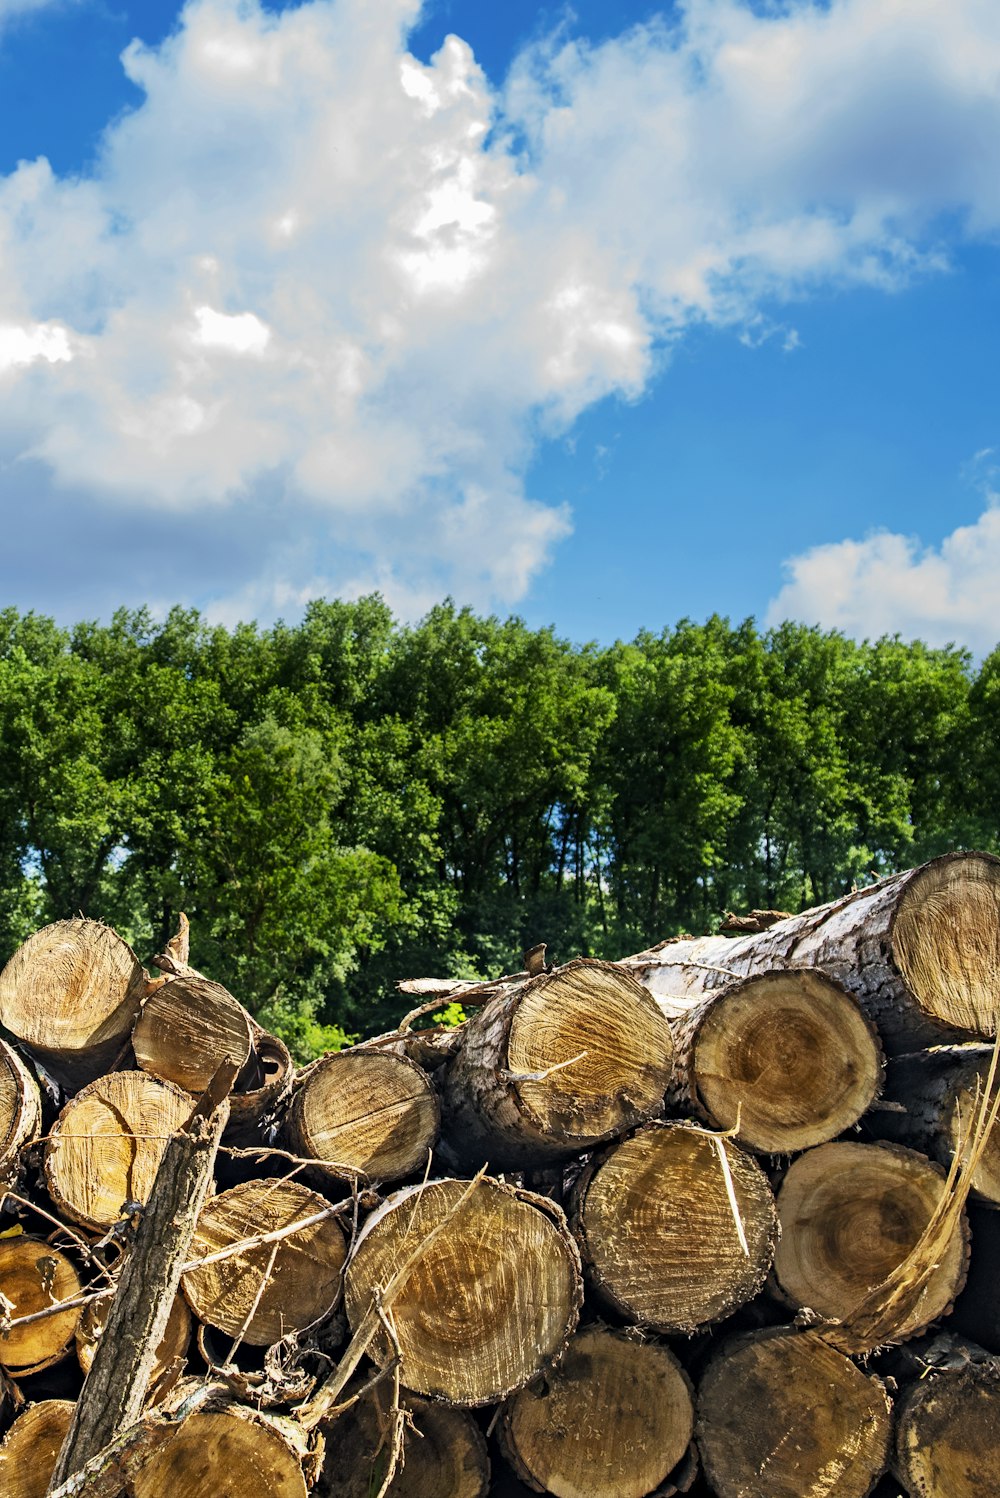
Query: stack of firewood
(694, 1222)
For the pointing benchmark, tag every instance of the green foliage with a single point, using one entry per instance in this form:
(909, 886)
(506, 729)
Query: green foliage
(346, 802)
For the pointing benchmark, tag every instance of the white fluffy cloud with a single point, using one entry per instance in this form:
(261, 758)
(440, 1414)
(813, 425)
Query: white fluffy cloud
(323, 299)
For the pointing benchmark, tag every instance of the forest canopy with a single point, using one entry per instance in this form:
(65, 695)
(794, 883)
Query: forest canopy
(347, 801)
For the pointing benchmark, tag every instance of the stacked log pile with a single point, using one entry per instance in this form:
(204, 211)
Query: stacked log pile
(694, 1222)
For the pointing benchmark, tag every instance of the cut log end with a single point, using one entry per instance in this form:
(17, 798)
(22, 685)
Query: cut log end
(678, 1228)
(946, 942)
(486, 1302)
(187, 1028)
(612, 1420)
(948, 1434)
(365, 1112)
(444, 1453)
(20, 1110)
(34, 1275)
(227, 1454)
(782, 1415)
(28, 1455)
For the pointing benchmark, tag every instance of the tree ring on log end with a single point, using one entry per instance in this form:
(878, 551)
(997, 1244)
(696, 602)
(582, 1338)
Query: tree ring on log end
(20, 1107)
(34, 1441)
(948, 1433)
(33, 1276)
(187, 1028)
(489, 1299)
(224, 1455)
(365, 1112)
(946, 941)
(658, 1230)
(611, 1420)
(792, 1054)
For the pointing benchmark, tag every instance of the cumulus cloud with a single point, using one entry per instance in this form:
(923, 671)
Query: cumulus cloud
(320, 291)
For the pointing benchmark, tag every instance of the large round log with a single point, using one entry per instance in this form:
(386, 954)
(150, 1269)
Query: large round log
(270, 1288)
(486, 1286)
(107, 1144)
(850, 1215)
(33, 1277)
(187, 1028)
(20, 1111)
(920, 950)
(71, 994)
(364, 1113)
(28, 1455)
(555, 1065)
(611, 1420)
(677, 1227)
(787, 1059)
(783, 1415)
(444, 1453)
(934, 1098)
(231, 1453)
(948, 1433)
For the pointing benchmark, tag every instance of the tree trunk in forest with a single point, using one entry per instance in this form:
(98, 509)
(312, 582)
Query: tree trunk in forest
(948, 1433)
(850, 1214)
(783, 1415)
(491, 1294)
(33, 1276)
(939, 1093)
(28, 1456)
(554, 1065)
(613, 1420)
(677, 1227)
(444, 1453)
(20, 1112)
(71, 994)
(920, 950)
(187, 1027)
(365, 1113)
(787, 1058)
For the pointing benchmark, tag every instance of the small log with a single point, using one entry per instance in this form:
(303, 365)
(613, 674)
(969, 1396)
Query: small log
(267, 1288)
(187, 1027)
(71, 994)
(444, 1453)
(850, 1215)
(948, 1433)
(364, 1112)
(783, 1415)
(28, 1455)
(171, 1354)
(33, 1277)
(611, 1420)
(20, 1112)
(262, 1086)
(934, 1097)
(677, 1227)
(491, 1298)
(920, 950)
(235, 1452)
(554, 1065)
(108, 1142)
(786, 1059)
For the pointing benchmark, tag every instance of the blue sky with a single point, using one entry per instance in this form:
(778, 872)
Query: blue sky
(604, 316)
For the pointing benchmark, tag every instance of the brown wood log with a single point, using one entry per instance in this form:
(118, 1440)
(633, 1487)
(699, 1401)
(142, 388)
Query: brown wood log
(783, 1415)
(71, 994)
(267, 1288)
(231, 1453)
(933, 1099)
(555, 1065)
(262, 1087)
(788, 1056)
(28, 1455)
(948, 1433)
(187, 1027)
(492, 1294)
(364, 1113)
(444, 1453)
(677, 1227)
(107, 1144)
(171, 1353)
(611, 1420)
(33, 1276)
(920, 950)
(20, 1112)
(850, 1215)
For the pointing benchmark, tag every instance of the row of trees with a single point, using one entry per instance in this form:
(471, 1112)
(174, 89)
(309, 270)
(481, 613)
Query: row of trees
(347, 801)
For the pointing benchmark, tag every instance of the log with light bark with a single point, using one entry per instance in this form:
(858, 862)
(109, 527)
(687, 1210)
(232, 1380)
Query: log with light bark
(284, 1278)
(364, 1113)
(948, 1432)
(189, 1025)
(33, 1277)
(28, 1455)
(555, 1064)
(481, 1280)
(677, 1227)
(786, 1059)
(20, 1112)
(107, 1144)
(443, 1451)
(920, 950)
(850, 1215)
(71, 994)
(783, 1415)
(613, 1419)
(230, 1453)
(933, 1098)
